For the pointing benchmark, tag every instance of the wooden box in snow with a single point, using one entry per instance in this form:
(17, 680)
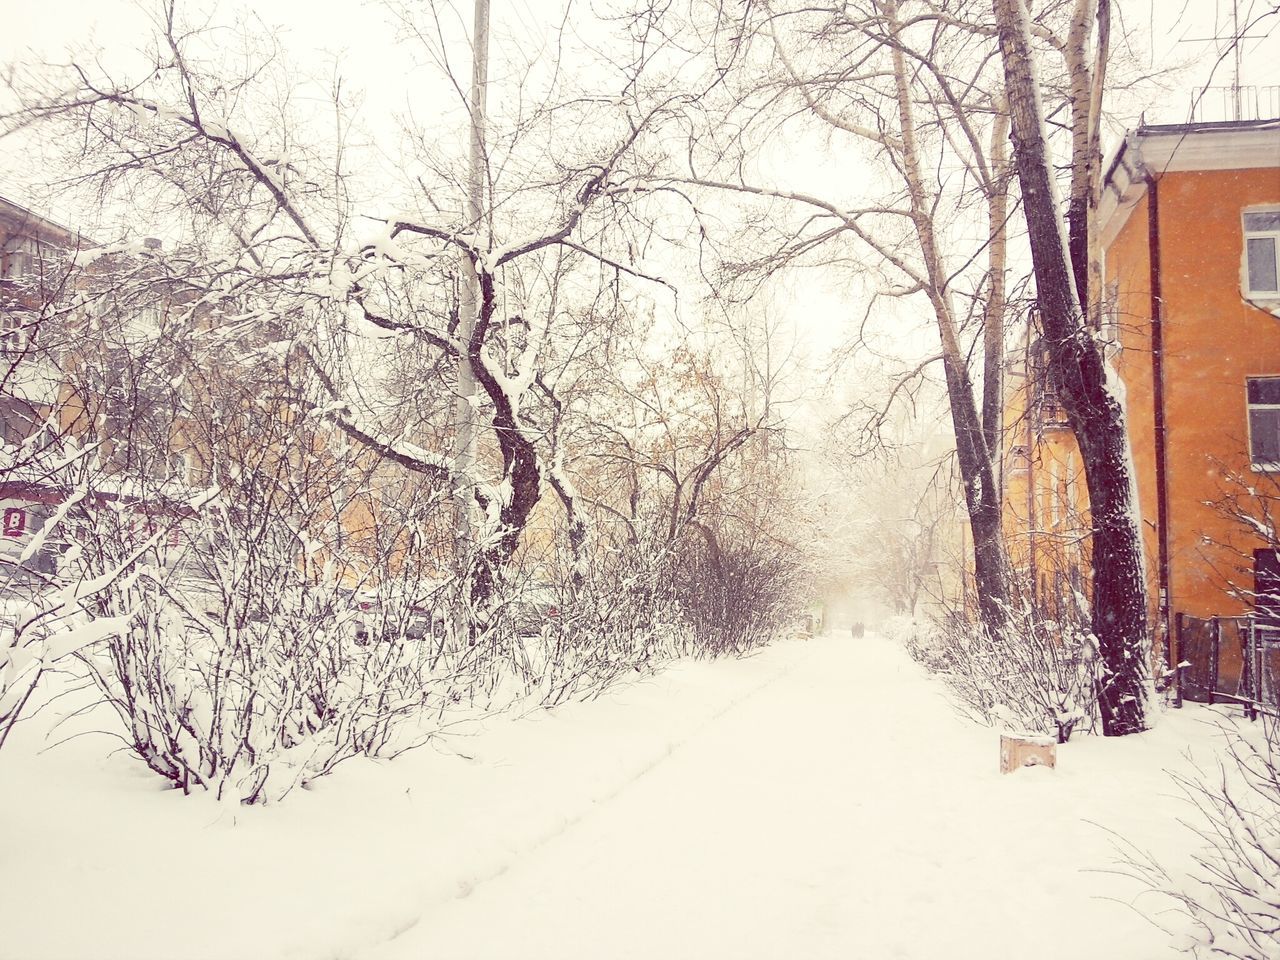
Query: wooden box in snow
(1025, 750)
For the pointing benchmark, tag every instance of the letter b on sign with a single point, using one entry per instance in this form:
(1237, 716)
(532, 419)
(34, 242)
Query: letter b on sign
(15, 521)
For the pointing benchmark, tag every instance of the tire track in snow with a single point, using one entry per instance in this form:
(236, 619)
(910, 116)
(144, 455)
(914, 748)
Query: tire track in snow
(464, 887)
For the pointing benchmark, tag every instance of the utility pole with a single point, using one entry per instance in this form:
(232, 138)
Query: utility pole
(464, 411)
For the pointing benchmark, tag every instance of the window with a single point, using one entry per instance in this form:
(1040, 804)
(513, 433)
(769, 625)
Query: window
(1264, 422)
(15, 258)
(1021, 461)
(1266, 585)
(14, 332)
(18, 420)
(1262, 252)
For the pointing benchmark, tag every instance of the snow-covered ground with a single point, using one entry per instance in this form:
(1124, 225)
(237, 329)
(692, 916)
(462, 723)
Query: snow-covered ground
(818, 800)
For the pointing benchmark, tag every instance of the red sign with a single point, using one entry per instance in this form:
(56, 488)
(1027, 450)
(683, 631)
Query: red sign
(15, 522)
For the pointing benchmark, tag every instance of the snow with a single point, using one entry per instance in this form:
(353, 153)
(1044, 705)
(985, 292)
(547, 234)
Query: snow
(400, 445)
(821, 799)
(89, 256)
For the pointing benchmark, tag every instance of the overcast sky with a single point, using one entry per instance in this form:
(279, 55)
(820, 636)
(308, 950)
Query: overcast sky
(317, 30)
(357, 39)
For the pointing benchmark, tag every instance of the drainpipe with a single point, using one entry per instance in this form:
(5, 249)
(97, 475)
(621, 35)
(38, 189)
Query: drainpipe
(1160, 424)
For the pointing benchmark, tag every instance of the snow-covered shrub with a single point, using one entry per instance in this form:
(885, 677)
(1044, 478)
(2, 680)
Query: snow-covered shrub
(45, 616)
(23, 656)
(240, 671)
(1229, 903)
(617, 619)
(738, 595)
(1036, 674)
(899, 628)
(38, 628)
(922, 640)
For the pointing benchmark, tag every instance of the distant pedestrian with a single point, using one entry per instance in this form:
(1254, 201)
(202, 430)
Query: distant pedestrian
(858, 630)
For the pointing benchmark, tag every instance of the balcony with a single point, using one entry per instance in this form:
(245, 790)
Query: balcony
(1048, 411)
(18, 295)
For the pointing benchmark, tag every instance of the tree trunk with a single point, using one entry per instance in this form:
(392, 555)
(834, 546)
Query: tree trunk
(520, 468)
(993, 315)
(1083, 166)
(990, 570)
(973, 454)
(1093, 409)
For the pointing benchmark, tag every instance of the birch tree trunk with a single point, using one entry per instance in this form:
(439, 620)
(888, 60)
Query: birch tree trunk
(993, 318)
(973, 449)
(1092, 404)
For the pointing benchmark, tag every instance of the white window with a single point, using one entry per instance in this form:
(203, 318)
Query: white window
(1020, 460)
(1262, 253)
(1264, 422)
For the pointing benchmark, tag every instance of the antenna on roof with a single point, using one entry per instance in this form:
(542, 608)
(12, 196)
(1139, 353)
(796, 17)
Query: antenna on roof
(1237, 40)
(1235, 48)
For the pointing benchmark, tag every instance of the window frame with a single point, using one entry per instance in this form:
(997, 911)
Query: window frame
(1249, 407)
(1246, 235)
(1266, 600)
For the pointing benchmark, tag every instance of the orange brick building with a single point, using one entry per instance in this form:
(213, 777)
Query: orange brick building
(1045, 502)
(1189, 223)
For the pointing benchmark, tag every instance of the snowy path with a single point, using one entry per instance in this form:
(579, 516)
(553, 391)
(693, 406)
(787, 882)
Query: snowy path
(839, 811)
(818, 800)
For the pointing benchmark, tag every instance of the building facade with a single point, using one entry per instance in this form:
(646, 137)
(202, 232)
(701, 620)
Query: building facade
(1189, 223)
(33, 254)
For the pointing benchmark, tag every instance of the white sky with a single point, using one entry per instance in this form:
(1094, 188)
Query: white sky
(358, 39)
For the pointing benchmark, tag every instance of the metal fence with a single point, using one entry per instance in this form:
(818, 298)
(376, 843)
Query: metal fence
(1248, 102)
(1230, 660)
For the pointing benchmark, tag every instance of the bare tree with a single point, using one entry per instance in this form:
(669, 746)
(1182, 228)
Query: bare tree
(1228, 904)
(277, 229)
(1076, 363)
(915, 95)
(899, 540)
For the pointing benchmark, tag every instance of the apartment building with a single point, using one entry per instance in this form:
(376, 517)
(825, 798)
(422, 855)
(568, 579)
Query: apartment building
(1189, 223)
(33, 254)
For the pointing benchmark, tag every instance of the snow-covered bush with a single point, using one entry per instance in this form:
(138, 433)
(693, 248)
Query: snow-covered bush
(23, 652)
(240, 671)
(1230, 901)
(616, 620)
(1036, 674)
(46, 616)
(899, 628)
(922, 640)
(36, 631)
(739, 594)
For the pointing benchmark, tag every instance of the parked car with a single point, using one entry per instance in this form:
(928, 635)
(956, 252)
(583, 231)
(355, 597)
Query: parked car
(422, 618)
(534, 607)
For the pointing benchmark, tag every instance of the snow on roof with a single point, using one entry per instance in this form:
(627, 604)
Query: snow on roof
(27, 220)
(1156, 149)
